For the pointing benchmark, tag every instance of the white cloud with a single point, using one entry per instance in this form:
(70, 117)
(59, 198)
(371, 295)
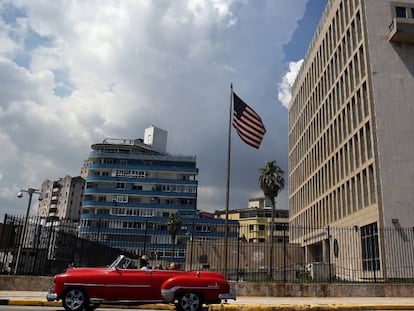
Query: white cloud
(125, 65)
(285, 87)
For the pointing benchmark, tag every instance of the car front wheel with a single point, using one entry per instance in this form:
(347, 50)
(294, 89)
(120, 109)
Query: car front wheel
(189, 302)
(74, 299)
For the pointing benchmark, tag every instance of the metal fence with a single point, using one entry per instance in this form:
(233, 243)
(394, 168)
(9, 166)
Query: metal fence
(48, 246)
(300, 254)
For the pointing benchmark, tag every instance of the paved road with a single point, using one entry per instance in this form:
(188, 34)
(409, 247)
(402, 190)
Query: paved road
(43, 308)
(250, 303)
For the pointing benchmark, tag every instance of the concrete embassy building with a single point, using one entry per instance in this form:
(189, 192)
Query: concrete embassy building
(351, 142)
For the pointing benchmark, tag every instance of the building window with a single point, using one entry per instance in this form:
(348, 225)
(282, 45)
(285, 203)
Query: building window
(370, 248)
(146, 212)
(262, 227)
(129, 173)
(202, 228)
(120, 185)
(282, 226)
(400, 11)
(120, 199)
(251, 228)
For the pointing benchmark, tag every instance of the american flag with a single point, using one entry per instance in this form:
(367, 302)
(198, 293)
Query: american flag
(247, 122)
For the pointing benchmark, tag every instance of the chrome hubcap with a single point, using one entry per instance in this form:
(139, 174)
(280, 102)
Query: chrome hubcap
(74, 299)
(190, 302)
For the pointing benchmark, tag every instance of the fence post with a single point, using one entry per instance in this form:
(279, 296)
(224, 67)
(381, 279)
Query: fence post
(36, 241)
(374, 252)
(98, 236)
(284, 254)
(145, 238)
(191, 247)
(238, 253)
(3, 242)
(329, 254)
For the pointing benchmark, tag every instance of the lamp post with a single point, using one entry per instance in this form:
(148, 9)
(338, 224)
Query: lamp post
(30, 191)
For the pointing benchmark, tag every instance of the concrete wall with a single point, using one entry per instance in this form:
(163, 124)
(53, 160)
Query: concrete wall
(392, 74)
(323, 290)
(26, 283)
(31, 283)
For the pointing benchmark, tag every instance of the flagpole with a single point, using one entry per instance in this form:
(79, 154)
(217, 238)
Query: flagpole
(226, 233)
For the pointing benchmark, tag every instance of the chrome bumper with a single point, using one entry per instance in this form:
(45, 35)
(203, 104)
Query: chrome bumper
(168, 295)
(225, 297)
(51, 296)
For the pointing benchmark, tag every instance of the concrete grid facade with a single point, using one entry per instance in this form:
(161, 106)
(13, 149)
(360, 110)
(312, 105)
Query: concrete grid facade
(351, 142)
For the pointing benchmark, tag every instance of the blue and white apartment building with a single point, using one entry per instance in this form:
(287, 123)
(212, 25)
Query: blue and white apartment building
(132, 188)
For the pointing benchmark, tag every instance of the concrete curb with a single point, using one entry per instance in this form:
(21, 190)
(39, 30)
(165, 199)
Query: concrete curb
(313, 307)
(229, 306)
(29, 302)
(58, 304)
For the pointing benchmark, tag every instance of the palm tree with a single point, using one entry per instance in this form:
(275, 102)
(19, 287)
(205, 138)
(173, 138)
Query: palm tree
(174, 225)
(271, 181)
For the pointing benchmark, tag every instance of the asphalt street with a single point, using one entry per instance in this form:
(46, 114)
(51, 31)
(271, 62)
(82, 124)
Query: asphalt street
(33, 298)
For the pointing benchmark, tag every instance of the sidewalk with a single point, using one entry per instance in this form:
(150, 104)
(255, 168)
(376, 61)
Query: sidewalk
(248, 303)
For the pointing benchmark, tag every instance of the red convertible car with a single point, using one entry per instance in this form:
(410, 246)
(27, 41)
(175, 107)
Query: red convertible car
(122, 283)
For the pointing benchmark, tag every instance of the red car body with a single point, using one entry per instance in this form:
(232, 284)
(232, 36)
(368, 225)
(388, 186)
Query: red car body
(87, 288)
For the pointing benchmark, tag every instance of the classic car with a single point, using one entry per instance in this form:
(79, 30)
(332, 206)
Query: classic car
(122, 283)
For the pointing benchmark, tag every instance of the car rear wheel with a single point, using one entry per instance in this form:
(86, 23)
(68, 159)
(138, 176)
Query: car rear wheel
(74, 299)
(189, 302)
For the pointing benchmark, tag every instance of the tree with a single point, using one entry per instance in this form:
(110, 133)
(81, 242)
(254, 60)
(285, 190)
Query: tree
(174, 225)
(271, 181)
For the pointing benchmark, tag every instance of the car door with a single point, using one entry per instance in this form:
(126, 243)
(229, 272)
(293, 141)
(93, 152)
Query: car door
(128, 285)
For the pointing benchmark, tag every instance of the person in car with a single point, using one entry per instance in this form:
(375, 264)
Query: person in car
(143, 263)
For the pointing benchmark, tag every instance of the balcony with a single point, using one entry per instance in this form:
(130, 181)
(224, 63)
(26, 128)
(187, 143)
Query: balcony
(152, 168)
(91, 203)
(95, 178)
(401, 30)
(164, 194)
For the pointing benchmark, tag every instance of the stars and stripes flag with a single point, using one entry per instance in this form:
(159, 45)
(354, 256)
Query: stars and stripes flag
(247, 122)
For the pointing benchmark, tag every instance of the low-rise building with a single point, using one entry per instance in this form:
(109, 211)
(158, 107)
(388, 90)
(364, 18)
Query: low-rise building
(255, 221)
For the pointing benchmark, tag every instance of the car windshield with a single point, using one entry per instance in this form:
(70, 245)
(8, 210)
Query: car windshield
(121, 262)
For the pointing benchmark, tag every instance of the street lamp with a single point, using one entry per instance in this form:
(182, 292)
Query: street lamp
(30, 191)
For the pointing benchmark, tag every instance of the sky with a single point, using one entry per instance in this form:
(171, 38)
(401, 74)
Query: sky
(73, 73)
